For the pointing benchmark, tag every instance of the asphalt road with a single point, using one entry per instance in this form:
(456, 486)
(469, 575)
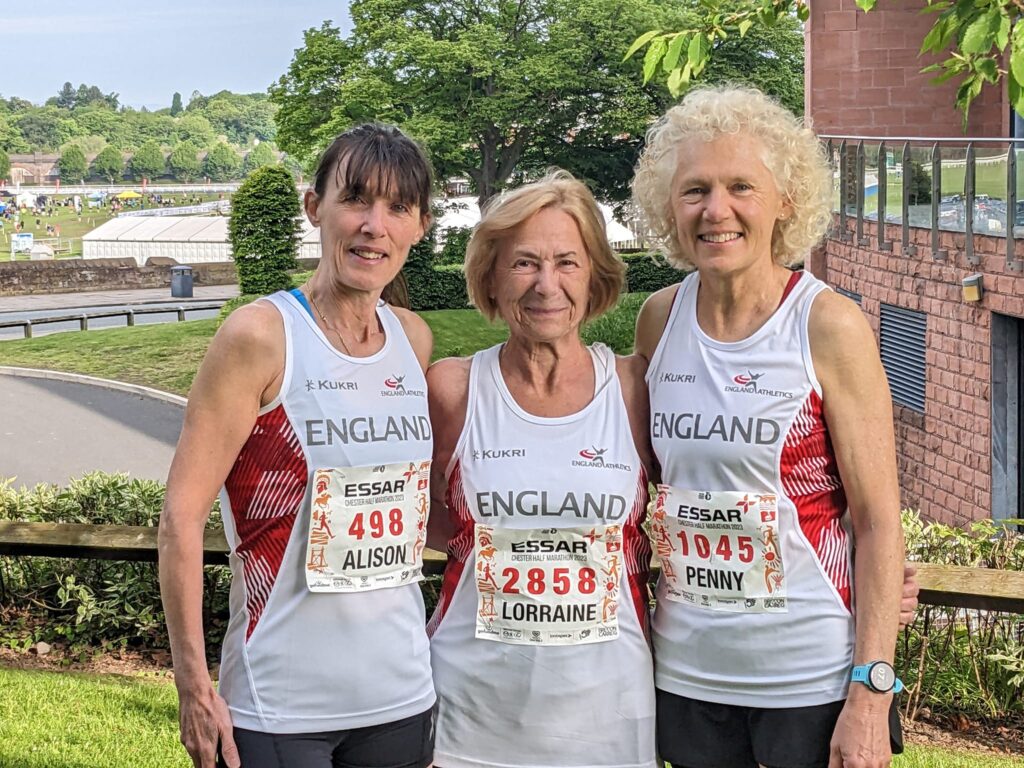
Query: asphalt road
(51, 431)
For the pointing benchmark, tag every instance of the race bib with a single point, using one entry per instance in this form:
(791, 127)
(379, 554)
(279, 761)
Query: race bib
(720, 550)
(551, 586)
(367, 527)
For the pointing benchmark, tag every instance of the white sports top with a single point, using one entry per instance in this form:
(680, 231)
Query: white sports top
(754, 607)
(519, 676)
(293, 660)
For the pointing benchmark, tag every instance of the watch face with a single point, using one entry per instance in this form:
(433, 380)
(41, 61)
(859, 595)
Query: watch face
(881, 676)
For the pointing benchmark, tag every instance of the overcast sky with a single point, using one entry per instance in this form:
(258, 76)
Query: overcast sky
(146, 50)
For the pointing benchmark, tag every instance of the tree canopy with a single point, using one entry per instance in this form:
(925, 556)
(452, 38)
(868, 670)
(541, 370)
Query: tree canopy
(492, 87)
(222, 162)
(5, 165)
(149, 162)
(72, 164)
(109, 164)
(184, 162)
(76, 113)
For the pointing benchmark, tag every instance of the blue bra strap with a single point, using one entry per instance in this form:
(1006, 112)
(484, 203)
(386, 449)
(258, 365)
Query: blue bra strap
(302, 300)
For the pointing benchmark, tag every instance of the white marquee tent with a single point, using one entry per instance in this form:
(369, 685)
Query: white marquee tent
(204, 239)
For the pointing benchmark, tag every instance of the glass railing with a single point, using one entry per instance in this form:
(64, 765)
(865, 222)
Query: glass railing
(967, 185)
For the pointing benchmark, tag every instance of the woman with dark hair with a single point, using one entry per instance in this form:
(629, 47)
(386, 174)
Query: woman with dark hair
(309, 412)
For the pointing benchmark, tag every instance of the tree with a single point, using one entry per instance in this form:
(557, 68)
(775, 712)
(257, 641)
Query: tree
(176, 108)
(72, 164)
(5, 165)
(222, 162)
(183, 162)
(195, 128)
(976, 37)
(264, 230)
(262, 154)
(109, 164)
(66, 97)
(491, 88)
(148, 162)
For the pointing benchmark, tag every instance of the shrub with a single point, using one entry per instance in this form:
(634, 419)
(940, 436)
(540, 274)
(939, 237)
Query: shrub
(649, 272)
(429, 287)
(94, 603)
(264, 230)
(455, 241)
(617, 326)
(954, 660)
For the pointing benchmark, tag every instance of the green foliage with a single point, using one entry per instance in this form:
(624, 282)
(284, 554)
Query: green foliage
(109, 164)
(262, 154)
(649, 272)
(5, 165)
(493, 90)
(149, 161)
(94, 603)
(264, 230)
(920, 184)
(977, 38)
(184, 161)
(429, 287)
(222, 162)
(958, 661)
(454, 249)
(617, 326)
(176, 108)
(72, 164)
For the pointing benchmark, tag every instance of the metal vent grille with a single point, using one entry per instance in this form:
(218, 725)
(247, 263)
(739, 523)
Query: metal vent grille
(902, 346)
(856, 297)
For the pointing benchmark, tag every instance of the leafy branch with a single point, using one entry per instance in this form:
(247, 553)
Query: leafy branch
(978, 38)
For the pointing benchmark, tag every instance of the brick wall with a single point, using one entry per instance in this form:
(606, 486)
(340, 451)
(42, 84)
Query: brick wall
(20, 278)
(862, 76)
(944, 454)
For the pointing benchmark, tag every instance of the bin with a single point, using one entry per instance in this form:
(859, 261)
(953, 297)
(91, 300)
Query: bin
(181, 282)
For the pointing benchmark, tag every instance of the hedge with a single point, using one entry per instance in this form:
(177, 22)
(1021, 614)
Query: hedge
(649, 272)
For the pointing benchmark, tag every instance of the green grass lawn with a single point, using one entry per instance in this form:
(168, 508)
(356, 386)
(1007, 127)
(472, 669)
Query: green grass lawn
(167, 356)
(74, 720)
(70, 720)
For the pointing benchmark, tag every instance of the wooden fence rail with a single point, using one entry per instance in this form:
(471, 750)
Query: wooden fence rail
(950, 585)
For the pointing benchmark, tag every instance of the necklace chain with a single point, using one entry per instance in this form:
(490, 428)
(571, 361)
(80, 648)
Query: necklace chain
(328, 326)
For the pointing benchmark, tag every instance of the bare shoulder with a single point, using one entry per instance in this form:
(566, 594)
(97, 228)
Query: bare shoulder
(838, 329)
(254, 329)
(448, 380)
(418, 332)
(650, 322)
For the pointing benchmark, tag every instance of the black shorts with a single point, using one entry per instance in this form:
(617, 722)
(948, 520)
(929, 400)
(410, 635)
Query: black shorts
(702, 734)
(407, 743)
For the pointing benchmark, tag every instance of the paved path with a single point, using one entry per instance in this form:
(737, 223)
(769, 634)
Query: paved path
(51, 431)
(106, 298)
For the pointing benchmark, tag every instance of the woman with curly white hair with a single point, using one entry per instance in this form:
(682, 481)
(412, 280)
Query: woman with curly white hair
(772, 422)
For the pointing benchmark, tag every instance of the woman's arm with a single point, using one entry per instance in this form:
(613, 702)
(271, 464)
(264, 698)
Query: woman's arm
(651, 321)
(631, 370)
(419, 334)
(241, 370)
(448, 395)
(858, 411)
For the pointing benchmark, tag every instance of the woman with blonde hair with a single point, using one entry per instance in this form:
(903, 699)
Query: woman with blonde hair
(771, 421)
(541, 461)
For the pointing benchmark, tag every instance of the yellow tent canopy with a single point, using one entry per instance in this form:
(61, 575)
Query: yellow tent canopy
(129, 195)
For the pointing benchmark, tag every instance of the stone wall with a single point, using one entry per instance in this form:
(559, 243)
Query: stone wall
(944, 454)
(19, 278)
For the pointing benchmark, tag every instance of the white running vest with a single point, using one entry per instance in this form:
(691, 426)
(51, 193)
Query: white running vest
(755, 607)
(296, 661)
(531, 670)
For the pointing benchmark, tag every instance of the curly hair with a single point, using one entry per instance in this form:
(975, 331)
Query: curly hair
(791, 152)
(503, 213)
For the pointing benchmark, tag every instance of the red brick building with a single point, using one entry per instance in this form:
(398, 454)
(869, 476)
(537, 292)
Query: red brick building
(959, 443)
